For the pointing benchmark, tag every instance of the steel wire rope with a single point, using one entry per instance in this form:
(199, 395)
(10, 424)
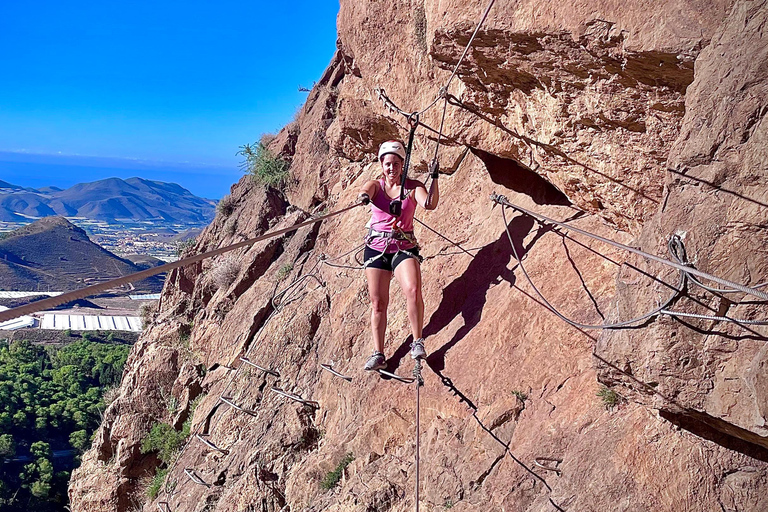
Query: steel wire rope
(684, 261)
(677, 249)
(327, 261)
(574, 323)
(443, 93)
(50, 302)
(661, 310)
(444, 89)
(687, 269)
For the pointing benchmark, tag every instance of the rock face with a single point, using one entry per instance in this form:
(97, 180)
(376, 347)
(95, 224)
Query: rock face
(634, 121)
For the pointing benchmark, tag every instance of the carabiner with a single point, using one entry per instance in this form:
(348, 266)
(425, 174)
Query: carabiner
(413, 120)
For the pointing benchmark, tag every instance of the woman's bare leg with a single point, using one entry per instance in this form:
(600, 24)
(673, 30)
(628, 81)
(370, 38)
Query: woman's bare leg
(378, 290)
(408, 274)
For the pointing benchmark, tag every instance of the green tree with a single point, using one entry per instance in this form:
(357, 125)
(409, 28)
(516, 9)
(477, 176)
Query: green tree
(79, 440)
(40, 449)
(7, 446)
(40, 489)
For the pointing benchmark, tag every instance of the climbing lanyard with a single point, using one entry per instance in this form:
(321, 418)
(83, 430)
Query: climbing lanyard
(396, 206)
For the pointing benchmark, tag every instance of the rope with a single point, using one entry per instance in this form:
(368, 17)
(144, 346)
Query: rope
(471, 39)
(714, 317)
(687, 269)
(442, 94)
(419, 382)
(444, 89)
(675, 247)
(51, 302)
(455, 244)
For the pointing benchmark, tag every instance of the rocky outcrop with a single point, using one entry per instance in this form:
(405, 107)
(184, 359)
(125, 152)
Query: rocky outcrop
(626, 123)
(710, 376)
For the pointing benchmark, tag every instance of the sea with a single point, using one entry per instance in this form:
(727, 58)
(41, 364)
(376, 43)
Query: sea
(37, 171)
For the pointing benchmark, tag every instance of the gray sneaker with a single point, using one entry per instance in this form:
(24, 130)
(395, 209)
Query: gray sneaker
(375, 362)
(417, 349)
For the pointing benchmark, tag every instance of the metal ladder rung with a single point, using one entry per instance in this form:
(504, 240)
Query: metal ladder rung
(296, 398)
(196, 479)
(232, 404)
(211, 445)
(395, 376)
(265, 370)
(330, 369)
(539, 462)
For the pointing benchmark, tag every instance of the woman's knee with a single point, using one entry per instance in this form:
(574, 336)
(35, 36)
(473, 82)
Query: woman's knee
(379, 305)
(412, 292)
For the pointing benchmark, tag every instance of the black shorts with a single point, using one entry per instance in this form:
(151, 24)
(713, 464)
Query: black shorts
(389, 260)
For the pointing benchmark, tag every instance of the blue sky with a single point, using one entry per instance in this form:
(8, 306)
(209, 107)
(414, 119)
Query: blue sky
(176, 85)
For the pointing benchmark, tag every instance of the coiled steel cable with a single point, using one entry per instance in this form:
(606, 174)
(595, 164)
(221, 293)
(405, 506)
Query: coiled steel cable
(681, 258)
(661, 310)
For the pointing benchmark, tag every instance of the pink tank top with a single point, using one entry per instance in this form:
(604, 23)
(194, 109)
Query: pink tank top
(382, 220)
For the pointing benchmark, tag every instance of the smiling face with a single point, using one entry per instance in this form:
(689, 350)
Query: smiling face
(392, 167)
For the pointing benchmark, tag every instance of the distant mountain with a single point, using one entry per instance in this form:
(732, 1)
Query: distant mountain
(54, 254)
(108, 200)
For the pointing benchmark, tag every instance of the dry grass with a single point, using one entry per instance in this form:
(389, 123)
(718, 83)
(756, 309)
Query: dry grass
(226, 205)
(225, 271)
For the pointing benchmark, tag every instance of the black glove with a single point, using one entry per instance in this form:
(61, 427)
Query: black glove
(434, 169)
(364, 198)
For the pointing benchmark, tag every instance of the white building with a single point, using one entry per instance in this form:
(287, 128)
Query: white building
(23, 322)
(63, 322)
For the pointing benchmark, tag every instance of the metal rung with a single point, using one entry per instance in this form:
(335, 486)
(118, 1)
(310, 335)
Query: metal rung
(538, 462)
(296, 398)
(248, 361)
(193, 476)
(330, 369)
(395, 376)
(160, 506)
(232, 404)
(211, 445)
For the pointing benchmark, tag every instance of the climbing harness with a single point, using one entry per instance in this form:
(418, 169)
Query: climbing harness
(397, 234)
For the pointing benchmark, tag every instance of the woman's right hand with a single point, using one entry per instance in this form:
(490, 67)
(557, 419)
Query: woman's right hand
(363, 198)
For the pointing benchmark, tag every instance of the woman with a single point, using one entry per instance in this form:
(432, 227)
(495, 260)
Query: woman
(392, 248)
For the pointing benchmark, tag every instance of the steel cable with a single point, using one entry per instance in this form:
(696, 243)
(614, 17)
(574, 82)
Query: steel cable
(50, 302)
(687, 269)
(574, 323)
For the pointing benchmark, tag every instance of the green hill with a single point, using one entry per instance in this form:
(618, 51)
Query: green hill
(54, 254)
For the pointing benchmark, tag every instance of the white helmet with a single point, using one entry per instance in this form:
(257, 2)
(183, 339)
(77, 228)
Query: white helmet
(392, 146)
